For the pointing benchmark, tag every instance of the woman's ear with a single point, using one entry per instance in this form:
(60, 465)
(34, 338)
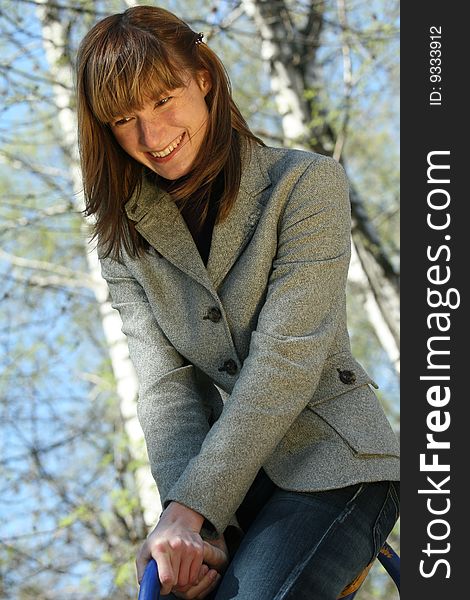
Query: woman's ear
(204, 81)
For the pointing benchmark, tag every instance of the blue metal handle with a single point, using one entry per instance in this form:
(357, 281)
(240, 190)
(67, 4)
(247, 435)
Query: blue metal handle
(150, 584)
(391, 563)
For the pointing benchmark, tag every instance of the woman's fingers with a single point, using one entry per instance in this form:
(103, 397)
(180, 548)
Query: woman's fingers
(206, 585)
(167, 564)
(209, 582)
(166, 570)
(178, 549)
(178, 564)
(180, 567)
(202, 573)
(195, 566)
(169, 569)
(215, 557)
(186, 561)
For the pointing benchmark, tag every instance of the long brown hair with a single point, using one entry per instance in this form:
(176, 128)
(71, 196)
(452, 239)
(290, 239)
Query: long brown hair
(124, 59)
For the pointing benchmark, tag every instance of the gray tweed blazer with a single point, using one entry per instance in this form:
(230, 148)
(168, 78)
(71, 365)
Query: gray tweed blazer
(246, 363)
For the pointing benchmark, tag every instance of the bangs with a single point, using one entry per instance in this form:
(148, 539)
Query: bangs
(120, 77)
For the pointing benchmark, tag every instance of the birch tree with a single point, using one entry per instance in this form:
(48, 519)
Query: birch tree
(58, 50)
(291, 35)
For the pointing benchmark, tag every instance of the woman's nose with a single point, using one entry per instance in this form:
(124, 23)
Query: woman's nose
(148, 134)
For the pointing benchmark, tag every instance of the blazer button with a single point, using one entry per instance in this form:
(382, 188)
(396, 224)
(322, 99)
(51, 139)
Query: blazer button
(213, 314)
(347, 376)
(230, 366)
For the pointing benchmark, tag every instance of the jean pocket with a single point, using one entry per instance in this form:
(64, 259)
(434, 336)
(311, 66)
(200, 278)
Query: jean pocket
(386, 518)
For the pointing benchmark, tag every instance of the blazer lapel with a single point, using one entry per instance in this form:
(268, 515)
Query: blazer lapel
(159, 221)
(231, 235)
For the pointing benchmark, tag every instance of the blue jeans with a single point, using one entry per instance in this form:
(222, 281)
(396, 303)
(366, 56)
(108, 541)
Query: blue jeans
(306, 545)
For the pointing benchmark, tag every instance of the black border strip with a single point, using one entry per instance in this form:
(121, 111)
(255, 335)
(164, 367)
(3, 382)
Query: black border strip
(434, 266)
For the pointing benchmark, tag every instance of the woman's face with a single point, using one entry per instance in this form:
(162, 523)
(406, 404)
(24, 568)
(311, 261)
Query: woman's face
(167, 134)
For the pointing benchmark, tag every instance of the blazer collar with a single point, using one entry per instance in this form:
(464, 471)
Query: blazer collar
(159, 221)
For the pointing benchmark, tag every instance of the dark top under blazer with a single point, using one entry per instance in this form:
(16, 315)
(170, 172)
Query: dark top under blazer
(202, 236)
(246, 363)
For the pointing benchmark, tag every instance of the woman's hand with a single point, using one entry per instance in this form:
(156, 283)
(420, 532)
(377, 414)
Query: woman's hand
(176, 546)
(209, 578)
(178, 549)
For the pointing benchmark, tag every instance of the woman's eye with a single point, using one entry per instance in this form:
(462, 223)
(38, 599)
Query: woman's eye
(163, 101)
(122, 121)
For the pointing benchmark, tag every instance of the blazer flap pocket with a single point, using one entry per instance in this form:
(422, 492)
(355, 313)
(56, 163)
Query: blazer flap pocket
(359, 419)
(341, 374)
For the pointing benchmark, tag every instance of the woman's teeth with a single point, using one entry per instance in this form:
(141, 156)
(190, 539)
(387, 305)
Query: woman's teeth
(166, 151)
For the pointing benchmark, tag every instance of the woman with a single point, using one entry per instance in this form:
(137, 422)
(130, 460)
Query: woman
(227, 261)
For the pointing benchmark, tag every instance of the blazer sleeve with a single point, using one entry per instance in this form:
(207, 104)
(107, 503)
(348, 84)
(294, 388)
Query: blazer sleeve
(294, 332)
(170, 408)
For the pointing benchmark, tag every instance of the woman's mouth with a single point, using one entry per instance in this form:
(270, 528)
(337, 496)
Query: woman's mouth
(167, 153)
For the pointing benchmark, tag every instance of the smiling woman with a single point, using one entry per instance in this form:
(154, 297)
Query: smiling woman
(227, 261)
(166, 135)
(134, 100)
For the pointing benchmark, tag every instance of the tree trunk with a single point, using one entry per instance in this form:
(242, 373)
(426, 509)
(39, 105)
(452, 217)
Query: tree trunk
(291, 53)
(56, 46)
